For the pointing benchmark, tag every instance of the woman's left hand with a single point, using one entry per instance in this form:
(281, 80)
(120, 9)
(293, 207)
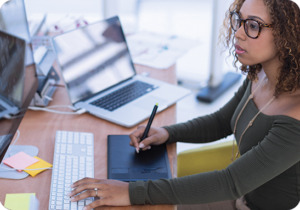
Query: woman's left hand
(110, 192)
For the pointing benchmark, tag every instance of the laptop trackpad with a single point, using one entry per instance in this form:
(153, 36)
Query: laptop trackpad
(150, 101)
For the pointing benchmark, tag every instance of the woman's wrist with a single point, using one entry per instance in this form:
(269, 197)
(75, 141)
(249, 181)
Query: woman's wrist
(137, 193)
(167, 134)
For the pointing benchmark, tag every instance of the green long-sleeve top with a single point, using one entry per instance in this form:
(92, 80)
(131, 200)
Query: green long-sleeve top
(267, 173)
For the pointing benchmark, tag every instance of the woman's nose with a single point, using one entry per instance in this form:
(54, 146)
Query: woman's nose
(240, 33)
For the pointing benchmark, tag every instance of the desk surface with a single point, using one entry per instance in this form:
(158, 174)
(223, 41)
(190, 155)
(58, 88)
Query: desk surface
(39, 128)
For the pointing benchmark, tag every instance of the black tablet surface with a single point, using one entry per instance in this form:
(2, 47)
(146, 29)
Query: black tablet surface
(124, 164)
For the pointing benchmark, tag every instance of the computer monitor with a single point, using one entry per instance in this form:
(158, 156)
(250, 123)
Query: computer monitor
(18, 84)
(13, 20)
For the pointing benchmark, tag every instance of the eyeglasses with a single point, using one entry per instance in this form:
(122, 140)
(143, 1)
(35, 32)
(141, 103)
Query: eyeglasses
(252, 27)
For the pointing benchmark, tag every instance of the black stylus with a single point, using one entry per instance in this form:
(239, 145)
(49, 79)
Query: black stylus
(149, 122)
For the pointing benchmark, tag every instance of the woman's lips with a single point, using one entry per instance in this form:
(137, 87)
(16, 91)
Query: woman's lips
(239, 50)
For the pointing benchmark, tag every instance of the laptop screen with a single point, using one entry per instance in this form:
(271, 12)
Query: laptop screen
(93, 58)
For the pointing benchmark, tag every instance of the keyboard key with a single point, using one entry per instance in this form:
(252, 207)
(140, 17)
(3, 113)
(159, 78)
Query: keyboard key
(123, 96)
(74, 205)
(58, 202)
(70, 163)
(90, 174)
(87, 202)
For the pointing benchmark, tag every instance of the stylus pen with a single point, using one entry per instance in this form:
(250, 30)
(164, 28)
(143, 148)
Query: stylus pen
(149, 122)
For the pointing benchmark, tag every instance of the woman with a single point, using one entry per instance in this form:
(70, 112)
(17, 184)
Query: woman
(264, 116)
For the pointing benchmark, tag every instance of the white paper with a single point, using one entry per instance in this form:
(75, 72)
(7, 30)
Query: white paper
(157, 51)
(34, 203)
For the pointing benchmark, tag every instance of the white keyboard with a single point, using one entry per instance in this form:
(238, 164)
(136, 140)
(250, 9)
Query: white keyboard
(73, 160)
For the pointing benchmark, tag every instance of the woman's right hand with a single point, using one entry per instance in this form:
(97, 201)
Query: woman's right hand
(156, 136)
(241, 204)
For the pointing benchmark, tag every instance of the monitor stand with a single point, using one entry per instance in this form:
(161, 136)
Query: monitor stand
(12, 150)
(210, 94)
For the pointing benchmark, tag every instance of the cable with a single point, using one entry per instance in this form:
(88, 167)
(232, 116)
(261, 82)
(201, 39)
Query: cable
(49, 98)
(18, 132)
(9, 148)
(48, 109)
(13, 169)
(61, 106)
(9, 117)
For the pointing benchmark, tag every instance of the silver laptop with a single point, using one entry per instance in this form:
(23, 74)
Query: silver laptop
(12, 64)
(100, 77)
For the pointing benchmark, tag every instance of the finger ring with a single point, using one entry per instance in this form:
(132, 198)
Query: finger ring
(96, 192)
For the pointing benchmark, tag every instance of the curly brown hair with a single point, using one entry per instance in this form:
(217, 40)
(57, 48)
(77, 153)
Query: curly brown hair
(285, 15)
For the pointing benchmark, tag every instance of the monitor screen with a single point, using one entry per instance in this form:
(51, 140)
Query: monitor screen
(13, 19)
(93, 58)
(18, 82)
(12, 56)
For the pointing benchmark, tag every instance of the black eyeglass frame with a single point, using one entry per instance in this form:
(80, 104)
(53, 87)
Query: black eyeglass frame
(243, 22)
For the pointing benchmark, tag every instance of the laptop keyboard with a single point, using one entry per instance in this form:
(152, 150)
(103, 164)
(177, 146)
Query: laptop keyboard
(124, 95)
(2, 108)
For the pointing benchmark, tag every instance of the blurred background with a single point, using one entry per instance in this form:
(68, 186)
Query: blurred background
(190, 19)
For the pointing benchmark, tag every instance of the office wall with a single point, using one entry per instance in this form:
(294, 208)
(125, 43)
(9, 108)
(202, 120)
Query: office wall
(90, 10)
(188, 18)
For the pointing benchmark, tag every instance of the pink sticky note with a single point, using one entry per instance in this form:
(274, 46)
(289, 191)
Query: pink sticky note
(20, 160)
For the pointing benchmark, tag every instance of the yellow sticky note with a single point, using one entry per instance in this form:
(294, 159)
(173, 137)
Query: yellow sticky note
(19, 201)
(40, 164)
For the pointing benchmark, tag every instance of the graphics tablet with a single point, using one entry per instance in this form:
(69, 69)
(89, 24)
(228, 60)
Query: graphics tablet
(125, 164)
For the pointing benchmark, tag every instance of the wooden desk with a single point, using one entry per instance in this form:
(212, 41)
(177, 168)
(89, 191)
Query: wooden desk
(39, 128)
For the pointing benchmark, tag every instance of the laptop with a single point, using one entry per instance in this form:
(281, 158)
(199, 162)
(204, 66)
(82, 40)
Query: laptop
(124, 164)
(100, 77)
(12, 58)
(7, 108)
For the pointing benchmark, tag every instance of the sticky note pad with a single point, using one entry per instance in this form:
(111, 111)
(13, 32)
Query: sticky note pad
(19, 201)
(20, 160)
(40, 164)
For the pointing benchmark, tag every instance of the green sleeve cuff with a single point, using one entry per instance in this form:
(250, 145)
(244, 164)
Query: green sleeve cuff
(171, 134)
(137, 193)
